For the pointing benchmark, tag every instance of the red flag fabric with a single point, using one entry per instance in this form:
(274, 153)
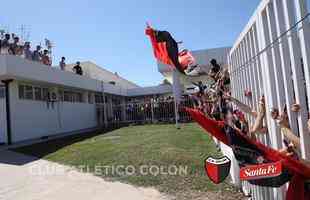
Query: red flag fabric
(166, 50)
(300, 171)
(159, 48)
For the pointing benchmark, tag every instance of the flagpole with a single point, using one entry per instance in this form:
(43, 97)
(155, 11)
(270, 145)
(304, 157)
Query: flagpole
(177, 95)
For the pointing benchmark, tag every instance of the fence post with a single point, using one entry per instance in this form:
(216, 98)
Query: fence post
(152, 109)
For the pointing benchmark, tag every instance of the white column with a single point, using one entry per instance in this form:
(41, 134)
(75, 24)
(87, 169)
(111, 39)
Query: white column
(275, 55)
(269, 87)
(250, 69)
(257, 90)
(304, 39)
(255, 85)
(258, 61)
(238, 74)
(242, 57)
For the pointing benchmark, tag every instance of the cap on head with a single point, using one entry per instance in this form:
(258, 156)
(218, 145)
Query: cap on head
(213, 62)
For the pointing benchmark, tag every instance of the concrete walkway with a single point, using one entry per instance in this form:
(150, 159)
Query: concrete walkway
(27, 178)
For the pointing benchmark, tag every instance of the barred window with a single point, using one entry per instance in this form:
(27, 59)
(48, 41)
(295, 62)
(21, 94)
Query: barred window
(28, 92)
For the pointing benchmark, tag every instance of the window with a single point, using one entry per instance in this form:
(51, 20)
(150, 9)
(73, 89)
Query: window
(45, 94)
(33, 92)
(98, 98)
(21, 91)
(61, 95)
(67, 96)
(38, 93)
(90, 98)
(28, 92)
(78, 97)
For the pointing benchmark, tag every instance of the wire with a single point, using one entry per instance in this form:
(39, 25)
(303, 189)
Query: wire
(272, 43)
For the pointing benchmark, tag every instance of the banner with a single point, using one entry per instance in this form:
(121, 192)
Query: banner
(254, 172)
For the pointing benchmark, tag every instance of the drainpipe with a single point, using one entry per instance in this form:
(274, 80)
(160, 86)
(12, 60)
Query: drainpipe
(8, 112)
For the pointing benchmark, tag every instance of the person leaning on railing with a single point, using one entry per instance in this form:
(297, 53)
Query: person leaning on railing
(291, 140)
(258, 125)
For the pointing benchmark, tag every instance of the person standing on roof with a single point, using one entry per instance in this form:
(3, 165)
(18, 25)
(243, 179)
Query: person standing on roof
(37, 55)
(78, 69)
(62, 63)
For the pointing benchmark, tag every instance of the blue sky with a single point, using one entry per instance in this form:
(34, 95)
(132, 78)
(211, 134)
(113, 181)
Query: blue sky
(111, 33)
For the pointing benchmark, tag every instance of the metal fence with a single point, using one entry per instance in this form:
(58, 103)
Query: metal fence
(271, 57)
(143, 112)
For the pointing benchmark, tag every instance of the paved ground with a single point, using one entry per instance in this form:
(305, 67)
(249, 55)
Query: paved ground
(27, 178)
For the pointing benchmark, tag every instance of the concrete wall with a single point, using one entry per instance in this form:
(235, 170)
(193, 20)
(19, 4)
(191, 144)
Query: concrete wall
(160, 89)
(33, 119)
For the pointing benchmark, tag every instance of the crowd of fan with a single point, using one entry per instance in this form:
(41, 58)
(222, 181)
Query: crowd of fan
(158, 108)
(217, 103)
(10, 44)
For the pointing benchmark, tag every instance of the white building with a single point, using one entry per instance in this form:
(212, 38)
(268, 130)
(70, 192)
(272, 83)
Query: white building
(42, 101)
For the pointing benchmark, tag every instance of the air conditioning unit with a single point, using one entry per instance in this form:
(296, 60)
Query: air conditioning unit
(53, 94)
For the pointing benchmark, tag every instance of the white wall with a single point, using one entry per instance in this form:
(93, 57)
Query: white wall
(76, 116)
(159, 89)
(33, 119)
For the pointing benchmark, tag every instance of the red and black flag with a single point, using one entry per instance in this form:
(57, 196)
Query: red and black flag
(165, 48)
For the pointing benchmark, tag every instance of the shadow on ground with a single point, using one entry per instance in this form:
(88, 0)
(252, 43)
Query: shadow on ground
(39, 150)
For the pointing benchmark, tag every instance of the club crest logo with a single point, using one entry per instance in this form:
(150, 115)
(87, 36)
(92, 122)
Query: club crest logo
(217, 169)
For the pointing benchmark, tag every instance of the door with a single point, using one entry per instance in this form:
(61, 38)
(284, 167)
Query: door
(3, 136)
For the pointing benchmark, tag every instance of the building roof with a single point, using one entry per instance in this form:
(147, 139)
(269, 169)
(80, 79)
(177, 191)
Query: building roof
(17, 68)
(94, 71)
